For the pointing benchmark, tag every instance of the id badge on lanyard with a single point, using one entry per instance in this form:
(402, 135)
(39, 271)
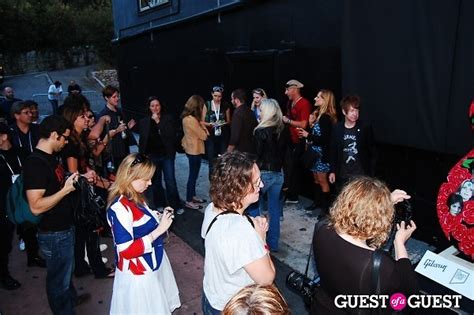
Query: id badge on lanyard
(217, 131)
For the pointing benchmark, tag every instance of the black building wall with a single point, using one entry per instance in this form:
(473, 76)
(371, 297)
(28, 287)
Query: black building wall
(412, 71)
(263, 44)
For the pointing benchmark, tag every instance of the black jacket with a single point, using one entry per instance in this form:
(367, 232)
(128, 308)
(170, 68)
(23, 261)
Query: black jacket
(33, 135)
(166, 129)
(365, 147)
(271, 149)
(324, 140)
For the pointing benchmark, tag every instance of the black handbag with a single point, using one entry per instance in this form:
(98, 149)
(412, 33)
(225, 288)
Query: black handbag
(309, 157)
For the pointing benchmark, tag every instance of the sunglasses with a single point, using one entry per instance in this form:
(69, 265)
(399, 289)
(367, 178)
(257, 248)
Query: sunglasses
(258, 91)
(218, 89)
(139, 158)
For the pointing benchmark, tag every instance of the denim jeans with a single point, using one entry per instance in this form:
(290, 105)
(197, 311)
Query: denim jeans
(207, 308)
(214, 146)
(194, 167)
(54, 106)
(155, 194)
(58, 250)
(272, 183)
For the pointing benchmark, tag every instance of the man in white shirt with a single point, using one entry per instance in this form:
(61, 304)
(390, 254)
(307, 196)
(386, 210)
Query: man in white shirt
(54, 93)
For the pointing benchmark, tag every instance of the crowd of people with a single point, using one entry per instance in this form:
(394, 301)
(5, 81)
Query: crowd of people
(254, 154)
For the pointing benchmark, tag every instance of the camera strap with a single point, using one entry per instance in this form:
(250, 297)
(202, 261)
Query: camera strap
(317, 227)
(227, 212)
(377, 262)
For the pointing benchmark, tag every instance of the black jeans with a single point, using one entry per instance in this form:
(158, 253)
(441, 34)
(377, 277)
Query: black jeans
(214, 145)
(6, 237)
(90, 239)
(293, 170)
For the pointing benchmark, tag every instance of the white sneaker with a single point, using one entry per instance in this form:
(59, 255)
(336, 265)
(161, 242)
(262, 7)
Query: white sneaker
(21, 245)
(103, 247)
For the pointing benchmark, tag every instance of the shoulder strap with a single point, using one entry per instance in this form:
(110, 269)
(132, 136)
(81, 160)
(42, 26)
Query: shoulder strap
(317, 227)
(227, 212)
(377, 262)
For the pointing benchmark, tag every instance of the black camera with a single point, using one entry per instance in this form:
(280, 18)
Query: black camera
(403, 212)
(302, 285)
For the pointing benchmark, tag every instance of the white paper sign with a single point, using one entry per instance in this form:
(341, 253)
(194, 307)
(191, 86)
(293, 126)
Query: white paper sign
(453, 275)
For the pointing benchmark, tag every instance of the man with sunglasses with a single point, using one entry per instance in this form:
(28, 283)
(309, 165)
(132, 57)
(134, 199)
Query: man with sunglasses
(48, 194)
(297, 116)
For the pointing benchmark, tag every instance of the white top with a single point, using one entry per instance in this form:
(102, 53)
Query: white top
(52, 91)
(231, 244)
(209, 215)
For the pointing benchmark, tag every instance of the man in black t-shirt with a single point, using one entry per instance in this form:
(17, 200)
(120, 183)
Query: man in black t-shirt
(47, 191)
(351, 152)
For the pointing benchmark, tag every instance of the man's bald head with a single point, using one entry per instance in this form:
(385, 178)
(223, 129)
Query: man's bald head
(8, 92)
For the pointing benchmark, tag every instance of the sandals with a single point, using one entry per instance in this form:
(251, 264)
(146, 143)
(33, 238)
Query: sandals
(199, 200)
(192, 205)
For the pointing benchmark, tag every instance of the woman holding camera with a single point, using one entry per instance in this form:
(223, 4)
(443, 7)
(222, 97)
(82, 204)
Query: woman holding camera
(318, 139)
(76, 159)
(235, 245)
(360, 221)
(144, 281)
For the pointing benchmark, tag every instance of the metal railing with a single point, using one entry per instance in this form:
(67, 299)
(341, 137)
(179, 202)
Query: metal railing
(95, 99)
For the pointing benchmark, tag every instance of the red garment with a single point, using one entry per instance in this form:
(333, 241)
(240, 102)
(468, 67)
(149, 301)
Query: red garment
(300, 111)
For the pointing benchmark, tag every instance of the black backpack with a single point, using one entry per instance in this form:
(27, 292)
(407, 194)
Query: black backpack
(89, 205)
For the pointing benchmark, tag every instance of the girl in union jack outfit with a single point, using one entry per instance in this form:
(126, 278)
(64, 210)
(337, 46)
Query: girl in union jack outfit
(144, 282)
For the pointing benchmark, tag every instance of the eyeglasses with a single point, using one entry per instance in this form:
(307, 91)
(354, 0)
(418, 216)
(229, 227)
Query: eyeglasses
(139, 158)
(66, 138)
(219, 89)
(90, 116)
(258, 183)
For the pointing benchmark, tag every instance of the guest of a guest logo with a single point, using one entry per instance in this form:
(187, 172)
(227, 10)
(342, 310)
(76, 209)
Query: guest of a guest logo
(432, 263)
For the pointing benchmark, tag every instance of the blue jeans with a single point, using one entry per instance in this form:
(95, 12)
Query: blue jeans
(214, 146)
(207, 308)
(58, 250)
(272, 184)
(194, 167)
(155, 194)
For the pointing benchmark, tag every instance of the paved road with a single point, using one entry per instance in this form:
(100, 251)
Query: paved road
(28, 85)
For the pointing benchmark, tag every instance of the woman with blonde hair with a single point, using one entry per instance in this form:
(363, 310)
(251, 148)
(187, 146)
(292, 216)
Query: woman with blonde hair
(318, 139)
(360, 222)
(195, 133)
(144, 281)
(258, 95)
(271, 140)
(257, 300)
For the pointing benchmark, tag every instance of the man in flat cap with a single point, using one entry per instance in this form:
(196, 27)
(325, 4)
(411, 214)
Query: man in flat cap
(297, 116)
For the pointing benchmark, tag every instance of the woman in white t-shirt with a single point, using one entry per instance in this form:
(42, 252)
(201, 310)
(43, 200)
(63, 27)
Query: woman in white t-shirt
(236, 250)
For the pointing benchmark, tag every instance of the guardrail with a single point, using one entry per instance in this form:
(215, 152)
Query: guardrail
(95, 99)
